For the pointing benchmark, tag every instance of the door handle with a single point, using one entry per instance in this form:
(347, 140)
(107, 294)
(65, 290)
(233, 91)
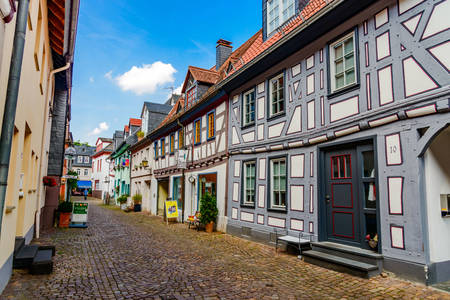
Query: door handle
(327, 199)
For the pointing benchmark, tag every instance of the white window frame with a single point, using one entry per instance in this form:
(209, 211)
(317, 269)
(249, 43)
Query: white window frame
(78, 172)
(86, 172)
(244, 109)
(276, 78)
(79, 159)
(272, 205)
(282, 18)
(86, 159)
(332, 58)
(246, 188)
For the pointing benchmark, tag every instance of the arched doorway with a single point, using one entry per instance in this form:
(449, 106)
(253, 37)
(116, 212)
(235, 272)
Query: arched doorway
(436, 156)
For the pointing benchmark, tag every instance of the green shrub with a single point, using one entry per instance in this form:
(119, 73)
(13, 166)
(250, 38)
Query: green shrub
(137, 199)
(208, 209)
(122, 199)
(65, 207)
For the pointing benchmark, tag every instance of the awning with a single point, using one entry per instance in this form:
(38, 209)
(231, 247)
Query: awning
(84, 184)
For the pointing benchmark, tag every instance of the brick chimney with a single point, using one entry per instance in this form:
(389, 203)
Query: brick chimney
(223, 51)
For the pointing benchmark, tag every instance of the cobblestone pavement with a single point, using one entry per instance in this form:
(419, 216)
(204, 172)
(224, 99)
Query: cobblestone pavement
(136, 256)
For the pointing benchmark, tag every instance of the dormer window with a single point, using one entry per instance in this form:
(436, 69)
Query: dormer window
(190, 96)
(278, 12)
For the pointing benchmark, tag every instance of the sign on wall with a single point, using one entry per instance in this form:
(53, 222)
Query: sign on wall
(182, 158)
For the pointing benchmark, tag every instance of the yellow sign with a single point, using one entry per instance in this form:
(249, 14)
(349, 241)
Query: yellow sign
(171, 209)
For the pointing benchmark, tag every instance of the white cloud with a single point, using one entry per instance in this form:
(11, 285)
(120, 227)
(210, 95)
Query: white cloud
(91, 79)
(108, 75)
(145, 79)
(103, 126)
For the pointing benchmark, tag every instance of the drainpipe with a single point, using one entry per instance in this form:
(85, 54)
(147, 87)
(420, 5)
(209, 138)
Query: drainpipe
(37, 220)
(183, 179)
(9, 114)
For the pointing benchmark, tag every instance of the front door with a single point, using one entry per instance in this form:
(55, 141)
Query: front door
(350, 196)
(207, 185)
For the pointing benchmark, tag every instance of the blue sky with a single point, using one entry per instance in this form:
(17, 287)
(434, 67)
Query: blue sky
(128, 52)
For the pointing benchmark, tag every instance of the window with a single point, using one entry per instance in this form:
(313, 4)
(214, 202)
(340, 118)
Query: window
(341, 167)
(172, 143)
(197, 132)
(276, 95)
(278, 12)
(86, 159)
(342, 62)
(78, 171)
(249, 182)
(163, 147)
(249, 108)
(211, 125)
(156, 149)
(85, 172)
(191, 95)
(180, 139)
(278, 183)
(80, 159)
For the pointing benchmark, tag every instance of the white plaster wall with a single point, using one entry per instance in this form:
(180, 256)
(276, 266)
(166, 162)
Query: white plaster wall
(191, 193)
(437, 178)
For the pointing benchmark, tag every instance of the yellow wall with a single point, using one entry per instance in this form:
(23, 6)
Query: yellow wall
(30, 146)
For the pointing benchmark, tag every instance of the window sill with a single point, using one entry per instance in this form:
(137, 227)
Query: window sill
(344, 90)
(276, 116)
(248, 205)
(197, 144)
(211, 139)
(278, 210)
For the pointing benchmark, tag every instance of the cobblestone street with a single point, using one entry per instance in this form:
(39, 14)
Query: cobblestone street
(136, 256)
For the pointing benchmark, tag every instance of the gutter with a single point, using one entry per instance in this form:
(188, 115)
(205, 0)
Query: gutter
(9, 113)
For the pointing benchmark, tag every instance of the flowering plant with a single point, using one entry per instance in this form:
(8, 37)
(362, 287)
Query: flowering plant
(49, 181)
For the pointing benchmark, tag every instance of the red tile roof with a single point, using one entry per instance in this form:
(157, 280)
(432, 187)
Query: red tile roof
(259, 46)
(135, 122)
(248, 51)
(201, 75)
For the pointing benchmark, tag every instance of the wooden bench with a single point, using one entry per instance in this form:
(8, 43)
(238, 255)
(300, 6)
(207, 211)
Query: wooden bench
(282, 236)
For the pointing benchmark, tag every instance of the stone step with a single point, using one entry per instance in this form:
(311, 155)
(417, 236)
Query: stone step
(24, 257)
(341, 264)
(349, 252)
(18, 244)
(42, 262)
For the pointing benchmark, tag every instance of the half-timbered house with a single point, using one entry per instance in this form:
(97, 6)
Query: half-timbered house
(195, 129)
(338, 130)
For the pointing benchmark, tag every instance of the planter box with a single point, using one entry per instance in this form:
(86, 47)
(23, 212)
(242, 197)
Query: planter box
(64, 220)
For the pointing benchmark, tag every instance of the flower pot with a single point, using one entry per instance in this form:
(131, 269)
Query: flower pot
(209, 227)
(137, 207)
(123, 206)
(64, 219)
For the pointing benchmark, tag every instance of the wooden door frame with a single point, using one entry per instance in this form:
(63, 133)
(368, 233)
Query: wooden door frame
(321, 184)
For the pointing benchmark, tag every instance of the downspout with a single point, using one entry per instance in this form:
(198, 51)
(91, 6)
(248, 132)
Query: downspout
(38, 212)
(9, 114)
(183, 179)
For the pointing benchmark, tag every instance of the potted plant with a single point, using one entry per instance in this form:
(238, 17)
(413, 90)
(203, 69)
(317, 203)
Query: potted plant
(65, 210)
(137, 201)
(208, 211)
(140, 134)
(123, 201)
